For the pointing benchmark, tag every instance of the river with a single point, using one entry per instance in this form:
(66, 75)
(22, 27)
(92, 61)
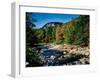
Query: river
(53, 57)
(50, 56)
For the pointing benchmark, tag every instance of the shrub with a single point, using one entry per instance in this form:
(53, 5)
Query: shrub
(32, 57)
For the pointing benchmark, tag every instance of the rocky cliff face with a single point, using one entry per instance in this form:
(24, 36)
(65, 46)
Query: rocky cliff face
(52, 24)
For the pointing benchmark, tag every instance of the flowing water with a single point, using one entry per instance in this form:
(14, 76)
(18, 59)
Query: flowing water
(53, 57)
(50, 56)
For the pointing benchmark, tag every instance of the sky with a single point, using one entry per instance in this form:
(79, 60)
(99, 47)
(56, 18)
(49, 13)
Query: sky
(43, 18)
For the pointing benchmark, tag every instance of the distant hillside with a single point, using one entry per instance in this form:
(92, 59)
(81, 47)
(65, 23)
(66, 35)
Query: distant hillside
(52, 24)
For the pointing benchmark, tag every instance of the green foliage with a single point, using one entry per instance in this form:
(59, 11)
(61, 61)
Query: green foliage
(70, 34)
(32, 57)
(77, 31)
(59, 35)
(31, 38)
(30, 20)
(40, 33)
(73, 32)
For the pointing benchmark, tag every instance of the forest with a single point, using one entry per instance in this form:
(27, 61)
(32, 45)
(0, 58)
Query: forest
(74, 32)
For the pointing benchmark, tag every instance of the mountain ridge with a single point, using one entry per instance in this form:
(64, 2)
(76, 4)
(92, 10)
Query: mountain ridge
(52, 24)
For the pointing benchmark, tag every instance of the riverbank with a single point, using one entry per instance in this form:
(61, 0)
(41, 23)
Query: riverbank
(70, 49)
(62, 54)
(72, 54)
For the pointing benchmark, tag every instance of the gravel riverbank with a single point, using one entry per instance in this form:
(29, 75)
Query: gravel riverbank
(72, 54)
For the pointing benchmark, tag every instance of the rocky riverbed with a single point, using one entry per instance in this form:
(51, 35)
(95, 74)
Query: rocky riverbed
(54, 55)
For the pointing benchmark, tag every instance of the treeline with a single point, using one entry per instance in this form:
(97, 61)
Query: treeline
(73, 32)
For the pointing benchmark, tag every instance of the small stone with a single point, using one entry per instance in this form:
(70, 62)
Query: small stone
(66, 56)
(87, 53)
(64, 52)
(52, 57)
